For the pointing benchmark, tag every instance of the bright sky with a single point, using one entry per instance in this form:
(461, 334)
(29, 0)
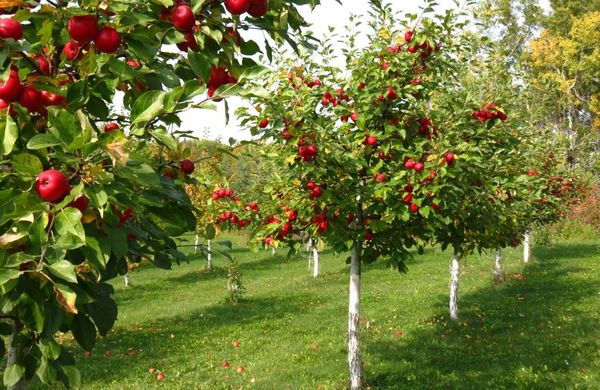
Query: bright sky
(211, 124)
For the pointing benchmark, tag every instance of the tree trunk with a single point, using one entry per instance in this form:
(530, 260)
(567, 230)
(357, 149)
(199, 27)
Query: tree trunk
(354, 359)
(498, 268)
(196, 247)
(127, 278)
(208, 256)
(315, 256)
(309, 244)
(454, 273)
(526, 248)
(273, 251)
(13, 355)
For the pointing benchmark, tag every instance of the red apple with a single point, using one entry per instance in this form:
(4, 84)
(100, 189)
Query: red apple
(83, 28)
(108, 40)
(11, 88)
(264, 123)
(354, 116)
(407, 198)
(51, 99)
(449, 157)
(409, 164)
(408, 36)
(369, 236)
(183, 17)
(237, 7)
(187, 167)
(414, 208)
(10, 28)
(72, 50)
(133, 63)
(391, 94)
(380, 178)
(160, 376)
(236, 344)
(258, 8)
(419, 166)
(370, 140)
(239, 369)
(111, 127)
(31, 99)
(80, 203)
(52, 186)
(42, 63)
(190, 42)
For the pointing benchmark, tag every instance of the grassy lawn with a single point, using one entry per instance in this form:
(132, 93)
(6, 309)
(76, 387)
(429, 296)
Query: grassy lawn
(542, 332)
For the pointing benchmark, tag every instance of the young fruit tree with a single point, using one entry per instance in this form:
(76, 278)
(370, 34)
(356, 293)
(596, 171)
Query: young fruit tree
(379, 161)
(87, 183)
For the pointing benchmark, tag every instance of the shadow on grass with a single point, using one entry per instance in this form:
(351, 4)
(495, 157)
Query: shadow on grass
(157, 340)
(567, 251)
(536, 334)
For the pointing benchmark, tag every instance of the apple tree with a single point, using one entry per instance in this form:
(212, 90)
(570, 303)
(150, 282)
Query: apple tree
(90, 93)
(384, 156)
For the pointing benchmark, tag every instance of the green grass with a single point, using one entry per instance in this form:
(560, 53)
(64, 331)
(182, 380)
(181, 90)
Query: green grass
(542, 332)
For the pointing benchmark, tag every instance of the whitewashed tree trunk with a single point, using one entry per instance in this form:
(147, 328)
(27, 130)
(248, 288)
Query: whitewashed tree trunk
(309, 244)
(498, 268)
(196, 247)
(127, 278)
(526, 246)
(13, 355)
(208, 256)
(273, 251)
(354, 359)
(454, 274)
(315, 256)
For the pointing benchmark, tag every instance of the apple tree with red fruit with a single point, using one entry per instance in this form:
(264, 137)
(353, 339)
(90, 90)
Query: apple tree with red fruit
(387, 156)
(86, 182)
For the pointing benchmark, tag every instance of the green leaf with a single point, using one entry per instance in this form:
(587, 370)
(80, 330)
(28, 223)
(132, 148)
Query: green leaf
(139, 173)
(37, 230)
(12, 374)
(41, 141)
(97, 251)
(31, 312)
(147, 107)
(49, 348)
(171, 218)
(66, 297)
(200, 64)
(7, 274)
(63, 125)
(84, 331)
(163, 137)
(118, 242)
(73, 377)
(46, 372)
(104, 313)
(70, 232)
(27, 164)
(64, 270)
(9, 133)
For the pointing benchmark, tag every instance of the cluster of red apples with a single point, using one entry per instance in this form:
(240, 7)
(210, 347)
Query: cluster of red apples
(84, 30)
(488, 112)
(256, 8)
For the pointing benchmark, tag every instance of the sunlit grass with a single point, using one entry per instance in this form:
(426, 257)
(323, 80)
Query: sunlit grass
(541, 332)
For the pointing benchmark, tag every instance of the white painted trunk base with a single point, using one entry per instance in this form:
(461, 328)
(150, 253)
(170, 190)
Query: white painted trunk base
(498, 267)
(127, 279)
(315, 256)
(526, 246)
(454, 275)
(208, 256)
(354, 359)
(196, 247)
